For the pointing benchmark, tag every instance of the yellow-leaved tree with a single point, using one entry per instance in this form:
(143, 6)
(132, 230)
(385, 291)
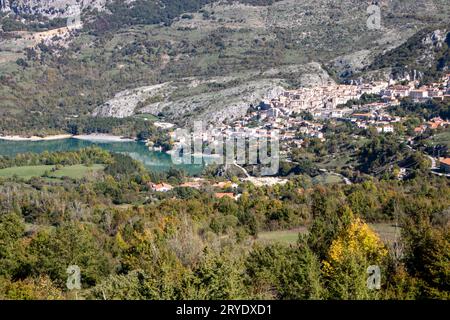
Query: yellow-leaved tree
(355, 249)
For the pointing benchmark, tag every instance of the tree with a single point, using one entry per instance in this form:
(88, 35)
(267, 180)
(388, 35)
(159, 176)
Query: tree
(328, 221)
(219, 277)
(120, 287)
(427, 255)
(41, 288)
(277, 271)
(52, 252)
(350, 254)
(12, 229)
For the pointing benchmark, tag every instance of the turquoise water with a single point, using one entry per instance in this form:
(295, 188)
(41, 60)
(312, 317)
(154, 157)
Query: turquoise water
(154, 161)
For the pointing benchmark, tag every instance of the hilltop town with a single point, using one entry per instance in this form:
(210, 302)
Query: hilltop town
(301, 114)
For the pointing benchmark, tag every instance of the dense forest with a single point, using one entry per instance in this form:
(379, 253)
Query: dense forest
(134, 243)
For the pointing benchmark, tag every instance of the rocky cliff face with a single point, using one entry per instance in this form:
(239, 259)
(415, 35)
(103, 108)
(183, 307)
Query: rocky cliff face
(433, 43)
(213, 100)
(214, 107)
(49, 8)
(422, 57)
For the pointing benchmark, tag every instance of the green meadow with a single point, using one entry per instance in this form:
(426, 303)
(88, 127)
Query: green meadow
(28, 172)
(283, 236)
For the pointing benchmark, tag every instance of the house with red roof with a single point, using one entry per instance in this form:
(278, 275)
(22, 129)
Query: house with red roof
(161, 187)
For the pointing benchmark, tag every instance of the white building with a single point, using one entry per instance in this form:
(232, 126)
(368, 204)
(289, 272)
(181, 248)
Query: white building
(419, 94)
(385, 129)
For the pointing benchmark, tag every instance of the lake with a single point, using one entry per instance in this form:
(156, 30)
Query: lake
(152, 160)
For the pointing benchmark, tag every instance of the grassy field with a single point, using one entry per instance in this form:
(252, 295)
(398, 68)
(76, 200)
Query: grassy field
(28, 172)
(284, 236)
(77, 171)
(327, 179)
(442, 138)
(386, 232)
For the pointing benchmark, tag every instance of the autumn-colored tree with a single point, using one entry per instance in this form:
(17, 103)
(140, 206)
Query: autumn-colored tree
(41, 288)
(355, 249)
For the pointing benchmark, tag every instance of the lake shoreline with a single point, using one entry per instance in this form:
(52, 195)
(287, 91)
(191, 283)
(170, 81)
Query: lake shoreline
(154, 161)
(87, 137)
(36, 138)
(103, 138)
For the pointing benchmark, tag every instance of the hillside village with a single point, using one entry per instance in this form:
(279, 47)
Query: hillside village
(299, 114)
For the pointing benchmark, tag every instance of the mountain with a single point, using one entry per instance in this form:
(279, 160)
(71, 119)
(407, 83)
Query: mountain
(425, 56)
(208, 59)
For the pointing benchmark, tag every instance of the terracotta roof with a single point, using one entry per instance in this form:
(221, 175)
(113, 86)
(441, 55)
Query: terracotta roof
(362, 115)
(433, 125)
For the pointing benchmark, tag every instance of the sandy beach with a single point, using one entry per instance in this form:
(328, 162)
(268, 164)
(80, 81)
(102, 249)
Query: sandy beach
(87, 137)
(102, 138)
(36, 138)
